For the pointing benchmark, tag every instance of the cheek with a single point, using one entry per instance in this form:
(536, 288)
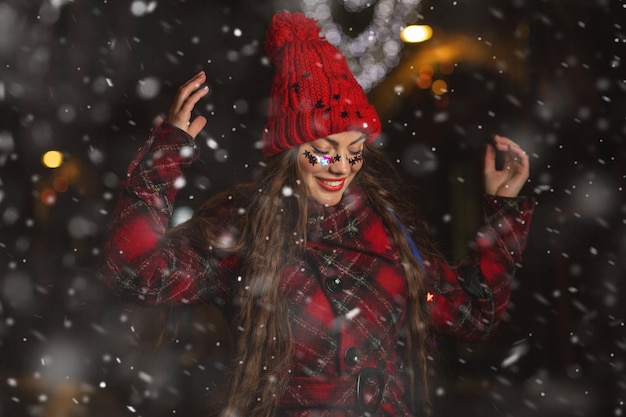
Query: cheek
(356, 160)
(308, 163)
(356, 167)
(307, 158)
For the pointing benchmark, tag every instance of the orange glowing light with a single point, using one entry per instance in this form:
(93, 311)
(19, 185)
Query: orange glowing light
(425, 77)
(424, 82)
(446, 67)
(430, 297)
(426, 70)
(60, 184)
(48, 196)
(440, 87)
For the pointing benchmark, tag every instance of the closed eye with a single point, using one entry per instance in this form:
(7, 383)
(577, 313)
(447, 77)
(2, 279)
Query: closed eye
(319, 151)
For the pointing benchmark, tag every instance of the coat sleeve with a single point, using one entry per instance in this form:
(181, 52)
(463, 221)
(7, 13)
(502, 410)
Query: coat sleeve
(141, 257)
(467, 302)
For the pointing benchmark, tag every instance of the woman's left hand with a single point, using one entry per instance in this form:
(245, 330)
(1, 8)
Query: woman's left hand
(508, 181)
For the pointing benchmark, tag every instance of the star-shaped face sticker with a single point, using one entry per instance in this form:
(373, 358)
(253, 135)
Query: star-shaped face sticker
(312, 159)
(357, 158)
(323, 160)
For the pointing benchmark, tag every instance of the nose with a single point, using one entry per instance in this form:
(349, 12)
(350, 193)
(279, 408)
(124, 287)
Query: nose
(340, 167)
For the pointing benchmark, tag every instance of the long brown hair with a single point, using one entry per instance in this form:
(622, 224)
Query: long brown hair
(273, 236)
(389, 197)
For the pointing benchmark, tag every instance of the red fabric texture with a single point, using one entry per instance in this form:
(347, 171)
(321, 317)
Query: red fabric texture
(314, 93)
(348, 292)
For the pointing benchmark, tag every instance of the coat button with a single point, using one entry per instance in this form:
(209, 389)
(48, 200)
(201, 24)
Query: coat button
(352, 356)
(334, 285)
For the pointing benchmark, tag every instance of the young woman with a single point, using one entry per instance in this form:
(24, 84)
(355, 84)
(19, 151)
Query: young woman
(322, 264)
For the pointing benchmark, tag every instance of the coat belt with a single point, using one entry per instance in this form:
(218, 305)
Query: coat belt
(362, 392)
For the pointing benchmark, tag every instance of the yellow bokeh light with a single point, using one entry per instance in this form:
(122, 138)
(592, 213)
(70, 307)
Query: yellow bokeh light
(52, 159)
(440, 87)
(416, 33)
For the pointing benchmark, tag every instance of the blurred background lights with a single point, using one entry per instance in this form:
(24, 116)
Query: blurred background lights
(416, 33)
(61, 361)
(18, 291)
(60, 184)
(48, 196)
(148, 88)
(67, 113)
(181, 215)
(52, 159)
(440, 87)
(7, 143)
(140, 8)
(425, 77)
(378, 42)
(80, 227)
(446, 67)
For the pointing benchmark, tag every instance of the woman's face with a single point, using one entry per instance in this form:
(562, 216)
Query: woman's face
(328, 165)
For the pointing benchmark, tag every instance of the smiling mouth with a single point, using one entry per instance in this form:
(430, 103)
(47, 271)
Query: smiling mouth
(331, 185)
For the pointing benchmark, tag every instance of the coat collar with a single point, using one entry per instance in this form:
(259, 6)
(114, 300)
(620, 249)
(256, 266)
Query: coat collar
(351, 224)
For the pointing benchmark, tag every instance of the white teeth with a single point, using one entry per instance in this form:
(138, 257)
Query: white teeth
(333, 183)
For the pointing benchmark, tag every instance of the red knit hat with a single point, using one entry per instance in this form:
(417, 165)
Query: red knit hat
(314, 94)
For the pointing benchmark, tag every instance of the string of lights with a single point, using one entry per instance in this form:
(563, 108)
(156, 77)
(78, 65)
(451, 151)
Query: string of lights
(375, 51)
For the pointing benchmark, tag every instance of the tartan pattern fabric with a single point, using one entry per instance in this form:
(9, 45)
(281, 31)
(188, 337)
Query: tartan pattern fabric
(346, 298)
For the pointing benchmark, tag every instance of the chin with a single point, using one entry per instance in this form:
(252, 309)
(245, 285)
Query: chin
(328, 200)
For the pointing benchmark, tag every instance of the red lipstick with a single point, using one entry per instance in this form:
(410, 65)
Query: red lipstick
(332, 185)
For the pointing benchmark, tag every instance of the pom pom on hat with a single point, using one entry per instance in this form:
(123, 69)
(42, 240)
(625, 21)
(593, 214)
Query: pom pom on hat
(286, 28)
(314, 93)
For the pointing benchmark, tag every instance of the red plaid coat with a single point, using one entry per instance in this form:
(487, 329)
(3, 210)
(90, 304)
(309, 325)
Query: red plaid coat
(347, 297)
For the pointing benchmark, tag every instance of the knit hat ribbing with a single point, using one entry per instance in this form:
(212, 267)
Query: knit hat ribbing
(314, 94)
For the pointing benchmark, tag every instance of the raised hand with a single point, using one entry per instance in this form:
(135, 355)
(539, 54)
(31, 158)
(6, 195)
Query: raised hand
(187, 96)
(508, 181)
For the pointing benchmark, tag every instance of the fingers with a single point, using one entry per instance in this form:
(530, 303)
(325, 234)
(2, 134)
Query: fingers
(186, 98)
(185, 90)
(489, 164)
(189, 103)
(196, 126)
(508, 181)
(512, 151)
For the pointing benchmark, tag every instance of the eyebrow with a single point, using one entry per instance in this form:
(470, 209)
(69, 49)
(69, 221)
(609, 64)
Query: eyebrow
(335, 143)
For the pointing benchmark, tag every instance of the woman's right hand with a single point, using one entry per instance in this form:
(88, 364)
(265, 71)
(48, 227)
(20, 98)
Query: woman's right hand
(186, 98)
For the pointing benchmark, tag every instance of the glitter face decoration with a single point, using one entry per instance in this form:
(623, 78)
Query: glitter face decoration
(328, 165)
(358, 157)
(323, 160)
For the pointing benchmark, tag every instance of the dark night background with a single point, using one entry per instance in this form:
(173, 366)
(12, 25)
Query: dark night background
(89, 78)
